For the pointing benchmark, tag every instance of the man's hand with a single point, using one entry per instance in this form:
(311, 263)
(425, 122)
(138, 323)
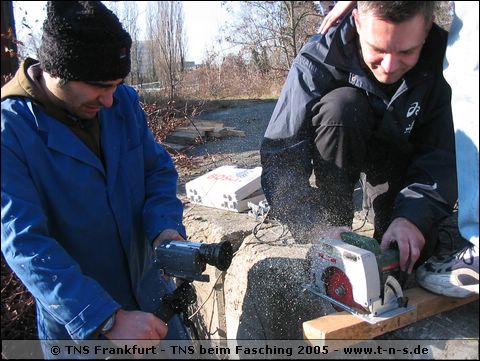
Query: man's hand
(167, 234)
(340, 9)
(409, 239)
(144, 328)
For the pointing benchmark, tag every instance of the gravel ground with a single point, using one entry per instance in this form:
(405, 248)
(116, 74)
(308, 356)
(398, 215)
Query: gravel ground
(252, 117)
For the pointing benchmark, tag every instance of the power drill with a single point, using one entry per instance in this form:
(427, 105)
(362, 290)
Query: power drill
(187, 261)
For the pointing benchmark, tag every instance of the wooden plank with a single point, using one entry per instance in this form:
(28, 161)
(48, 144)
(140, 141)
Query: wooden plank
(188, 132)
(235, 132)
(345, 326)
(208, 123)
(182, 138)
(217, 133)
(205, 123)
(225, 132)
(200, 128)
(174, 146)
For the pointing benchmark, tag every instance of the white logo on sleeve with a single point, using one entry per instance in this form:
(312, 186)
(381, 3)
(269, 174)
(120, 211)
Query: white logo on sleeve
(414, 109)
(409, 128)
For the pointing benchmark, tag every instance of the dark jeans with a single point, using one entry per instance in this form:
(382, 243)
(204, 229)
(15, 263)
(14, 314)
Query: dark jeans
(347, 143)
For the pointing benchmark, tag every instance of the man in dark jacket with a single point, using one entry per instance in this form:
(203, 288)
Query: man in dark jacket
(367, 97)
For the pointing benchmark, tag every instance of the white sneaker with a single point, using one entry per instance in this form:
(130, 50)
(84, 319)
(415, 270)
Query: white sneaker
(455, 275)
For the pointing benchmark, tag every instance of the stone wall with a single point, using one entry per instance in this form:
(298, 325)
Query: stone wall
(261, 294)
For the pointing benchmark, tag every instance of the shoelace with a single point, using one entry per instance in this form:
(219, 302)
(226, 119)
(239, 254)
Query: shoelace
(466, 258)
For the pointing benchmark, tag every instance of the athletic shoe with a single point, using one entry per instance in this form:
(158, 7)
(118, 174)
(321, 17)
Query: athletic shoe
(454, 275)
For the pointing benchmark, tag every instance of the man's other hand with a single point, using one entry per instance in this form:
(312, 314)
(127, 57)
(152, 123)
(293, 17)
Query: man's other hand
(340, 9)
(165, 235)
(144, 328)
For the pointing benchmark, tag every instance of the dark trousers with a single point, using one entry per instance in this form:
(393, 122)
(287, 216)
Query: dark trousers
(347, 143)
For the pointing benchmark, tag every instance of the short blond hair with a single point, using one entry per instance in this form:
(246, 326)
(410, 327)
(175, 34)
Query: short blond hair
(398, 11)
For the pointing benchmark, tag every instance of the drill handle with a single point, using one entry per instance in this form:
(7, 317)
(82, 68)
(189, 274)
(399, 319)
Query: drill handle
(176, 302)
(164, 312)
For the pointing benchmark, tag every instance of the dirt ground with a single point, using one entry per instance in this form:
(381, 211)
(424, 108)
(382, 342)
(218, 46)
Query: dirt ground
(18, 310)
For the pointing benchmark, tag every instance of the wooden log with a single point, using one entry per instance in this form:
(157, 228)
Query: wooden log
(345, 326)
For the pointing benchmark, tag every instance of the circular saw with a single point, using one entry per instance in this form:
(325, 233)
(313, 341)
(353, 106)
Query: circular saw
(356, 276)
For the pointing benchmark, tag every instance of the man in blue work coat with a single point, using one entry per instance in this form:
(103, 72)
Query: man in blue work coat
(86, 191)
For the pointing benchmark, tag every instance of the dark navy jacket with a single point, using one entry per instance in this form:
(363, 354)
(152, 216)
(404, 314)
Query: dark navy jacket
(416, 120)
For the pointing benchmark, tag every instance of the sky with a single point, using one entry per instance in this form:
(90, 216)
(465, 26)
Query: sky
(203, 20)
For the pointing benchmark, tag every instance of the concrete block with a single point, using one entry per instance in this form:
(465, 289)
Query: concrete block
(261, 294)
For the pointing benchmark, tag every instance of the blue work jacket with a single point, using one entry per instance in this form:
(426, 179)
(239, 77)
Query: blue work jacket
(77, 232)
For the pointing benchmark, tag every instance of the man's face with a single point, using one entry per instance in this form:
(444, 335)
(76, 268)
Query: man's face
(83, 99)
(388, 49)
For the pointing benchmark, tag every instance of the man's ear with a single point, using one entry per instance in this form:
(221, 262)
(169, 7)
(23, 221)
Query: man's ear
(356, 17)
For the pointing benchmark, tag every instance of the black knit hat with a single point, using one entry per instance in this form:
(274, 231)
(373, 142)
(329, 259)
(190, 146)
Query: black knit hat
(83, 40)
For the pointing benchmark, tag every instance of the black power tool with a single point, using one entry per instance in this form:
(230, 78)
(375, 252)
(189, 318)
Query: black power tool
(187, 262)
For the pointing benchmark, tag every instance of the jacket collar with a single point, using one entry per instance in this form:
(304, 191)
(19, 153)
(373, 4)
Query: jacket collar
(342, 45)
(60, 138)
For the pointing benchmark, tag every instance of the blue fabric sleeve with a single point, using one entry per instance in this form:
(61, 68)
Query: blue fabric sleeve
(41, 263)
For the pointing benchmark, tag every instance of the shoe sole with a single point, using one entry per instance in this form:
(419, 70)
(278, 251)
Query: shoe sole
(446, 288)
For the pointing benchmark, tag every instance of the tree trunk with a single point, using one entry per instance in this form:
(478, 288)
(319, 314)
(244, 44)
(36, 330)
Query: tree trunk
(9, 58)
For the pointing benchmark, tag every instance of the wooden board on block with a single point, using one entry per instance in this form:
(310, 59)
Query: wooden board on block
(345, 326)
(206, 123)
(184, 138)
(199, 128)
(174, 147)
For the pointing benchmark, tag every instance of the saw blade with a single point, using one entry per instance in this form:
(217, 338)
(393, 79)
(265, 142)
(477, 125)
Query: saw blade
(338, 287)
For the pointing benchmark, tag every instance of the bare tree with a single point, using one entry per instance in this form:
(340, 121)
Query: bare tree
(150, 47)
(29, 32)
(130, 20)
(274, 31)
(444, 14)
(9, 46)
(167, 36)
(128, 14)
